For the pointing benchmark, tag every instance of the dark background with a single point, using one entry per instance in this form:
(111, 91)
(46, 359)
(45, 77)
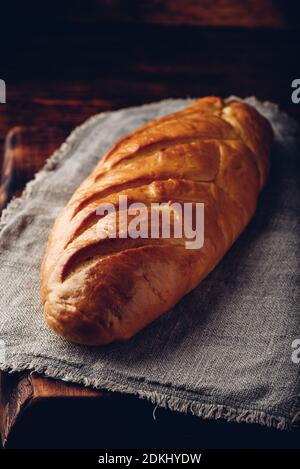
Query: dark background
(64, 61)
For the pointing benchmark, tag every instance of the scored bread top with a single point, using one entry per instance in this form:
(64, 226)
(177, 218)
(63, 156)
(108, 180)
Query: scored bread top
(99, 290)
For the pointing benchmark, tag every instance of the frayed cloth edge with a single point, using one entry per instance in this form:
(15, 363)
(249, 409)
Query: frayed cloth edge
(204, 410)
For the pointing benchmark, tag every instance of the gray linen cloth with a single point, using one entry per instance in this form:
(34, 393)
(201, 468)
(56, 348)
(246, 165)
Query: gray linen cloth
(225, 351)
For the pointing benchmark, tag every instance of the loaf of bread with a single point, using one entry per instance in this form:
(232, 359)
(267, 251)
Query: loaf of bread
(97, 290)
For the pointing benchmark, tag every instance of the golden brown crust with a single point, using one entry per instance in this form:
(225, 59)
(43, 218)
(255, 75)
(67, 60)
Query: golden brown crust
(96, 291)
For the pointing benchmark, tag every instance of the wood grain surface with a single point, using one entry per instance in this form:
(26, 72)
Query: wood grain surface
(25, 152)
(245, 13)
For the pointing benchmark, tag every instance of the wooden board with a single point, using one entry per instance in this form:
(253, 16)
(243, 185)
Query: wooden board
(26, 150)
(22, 391)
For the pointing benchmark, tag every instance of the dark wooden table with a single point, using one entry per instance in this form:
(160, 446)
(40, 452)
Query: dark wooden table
(61, 64)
